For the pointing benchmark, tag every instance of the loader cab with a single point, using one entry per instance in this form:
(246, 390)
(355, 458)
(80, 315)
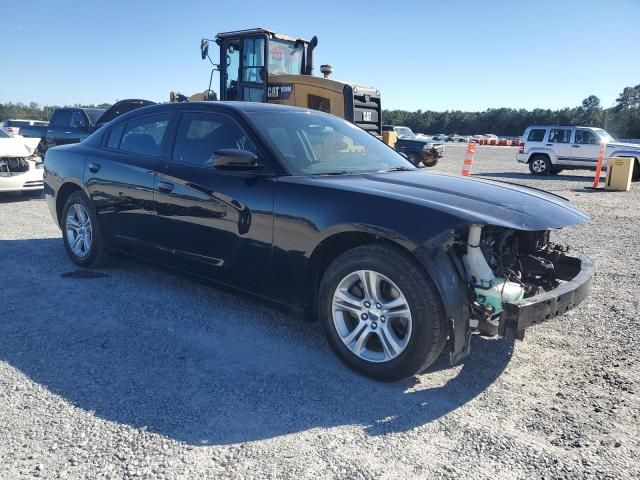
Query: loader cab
(249, 57)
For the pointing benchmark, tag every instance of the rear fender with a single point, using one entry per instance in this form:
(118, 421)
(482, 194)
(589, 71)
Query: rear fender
(544, 151)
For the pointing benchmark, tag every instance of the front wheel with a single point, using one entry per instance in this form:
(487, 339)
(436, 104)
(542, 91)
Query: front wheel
(381, 313)
(81, 232)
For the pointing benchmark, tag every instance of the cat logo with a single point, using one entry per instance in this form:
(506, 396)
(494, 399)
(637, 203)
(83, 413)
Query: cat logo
(367, 116)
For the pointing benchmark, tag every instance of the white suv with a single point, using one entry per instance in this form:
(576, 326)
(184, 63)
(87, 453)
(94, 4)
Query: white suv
(549, 149)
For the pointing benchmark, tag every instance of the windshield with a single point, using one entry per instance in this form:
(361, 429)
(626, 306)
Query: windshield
(285, 58)
(318, 144)
(604, 136)
(3, 134)
(405, 132)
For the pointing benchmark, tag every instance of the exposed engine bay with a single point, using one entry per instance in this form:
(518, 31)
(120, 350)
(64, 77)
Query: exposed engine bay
(506, 266)
(10, 165)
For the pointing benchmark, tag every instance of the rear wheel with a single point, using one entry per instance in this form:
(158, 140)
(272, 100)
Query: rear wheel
(556, 171)
(81, 232)
(540, 165)
(381, 313)
(635, 176)
(431, 162)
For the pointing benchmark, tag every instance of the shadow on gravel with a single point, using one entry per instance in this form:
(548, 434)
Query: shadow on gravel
(154, 351)
(527, 176)
(13, 197)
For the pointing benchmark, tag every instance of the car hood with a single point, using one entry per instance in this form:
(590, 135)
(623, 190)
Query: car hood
(472, 200)
(626, 146)
(120, 108)
(18, 146)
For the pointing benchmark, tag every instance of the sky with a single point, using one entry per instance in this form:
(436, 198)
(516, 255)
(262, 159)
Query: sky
(428, 55)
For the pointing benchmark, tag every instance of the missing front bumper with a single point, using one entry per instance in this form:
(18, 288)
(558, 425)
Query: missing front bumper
(577, 274)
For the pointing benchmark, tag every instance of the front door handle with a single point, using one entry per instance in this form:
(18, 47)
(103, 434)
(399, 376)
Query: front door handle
(68, 133)
(549, 144)
(94, 167)
(165, 187)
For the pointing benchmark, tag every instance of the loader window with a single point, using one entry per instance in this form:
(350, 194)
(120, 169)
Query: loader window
(285, 58)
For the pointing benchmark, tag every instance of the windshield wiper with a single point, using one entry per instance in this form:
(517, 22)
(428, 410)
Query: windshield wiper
(343, 172)
(396, 169)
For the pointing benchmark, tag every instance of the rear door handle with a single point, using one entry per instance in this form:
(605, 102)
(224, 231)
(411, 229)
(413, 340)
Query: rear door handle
(68, 133)
(94, 167)
(549, 144)
(165, 187)
(575, 146)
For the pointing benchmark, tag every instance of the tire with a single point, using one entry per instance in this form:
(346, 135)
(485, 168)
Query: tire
(635, 176)
(416, 335)
(556, 171)
(540, 165)
(432, 162)
(90, 251)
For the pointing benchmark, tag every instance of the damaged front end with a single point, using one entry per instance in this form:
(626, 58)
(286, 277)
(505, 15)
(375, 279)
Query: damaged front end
(21, 174)
(515, 279)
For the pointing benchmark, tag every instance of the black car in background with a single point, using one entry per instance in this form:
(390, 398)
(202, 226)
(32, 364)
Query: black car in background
(72, 125)
(307, 211)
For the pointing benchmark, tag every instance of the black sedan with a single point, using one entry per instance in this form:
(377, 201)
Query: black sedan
(307, 211)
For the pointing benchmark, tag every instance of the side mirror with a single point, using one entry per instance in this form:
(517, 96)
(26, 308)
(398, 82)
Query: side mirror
(204, 48)
(234, 159)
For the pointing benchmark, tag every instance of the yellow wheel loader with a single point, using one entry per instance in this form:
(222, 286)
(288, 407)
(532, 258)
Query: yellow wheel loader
(259, 65)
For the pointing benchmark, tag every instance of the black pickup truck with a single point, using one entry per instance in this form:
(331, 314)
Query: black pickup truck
(72, 125)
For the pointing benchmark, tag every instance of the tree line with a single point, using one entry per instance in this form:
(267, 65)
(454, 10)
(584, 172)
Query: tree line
(33, 111)
(622, 120)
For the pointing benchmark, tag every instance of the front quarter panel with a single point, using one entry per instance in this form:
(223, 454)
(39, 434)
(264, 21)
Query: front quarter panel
(306, 214)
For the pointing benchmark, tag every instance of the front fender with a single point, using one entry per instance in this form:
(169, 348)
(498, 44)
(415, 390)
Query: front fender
(449, 281)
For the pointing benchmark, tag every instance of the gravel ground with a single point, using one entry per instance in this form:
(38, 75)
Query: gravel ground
(143, 374)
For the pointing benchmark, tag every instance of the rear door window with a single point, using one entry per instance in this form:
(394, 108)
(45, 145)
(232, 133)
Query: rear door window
(559, 135)
(536, 135)
(145, 135)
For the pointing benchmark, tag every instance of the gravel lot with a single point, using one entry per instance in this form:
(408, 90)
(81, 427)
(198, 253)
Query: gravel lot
(141, 373)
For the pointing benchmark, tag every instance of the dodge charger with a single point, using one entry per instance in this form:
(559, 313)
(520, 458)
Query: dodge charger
(309, 212)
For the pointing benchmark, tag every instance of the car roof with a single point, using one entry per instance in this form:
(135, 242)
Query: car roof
(245, 107)
(558, 126)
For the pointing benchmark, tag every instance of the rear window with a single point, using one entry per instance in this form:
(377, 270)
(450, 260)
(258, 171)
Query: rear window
(536, 135)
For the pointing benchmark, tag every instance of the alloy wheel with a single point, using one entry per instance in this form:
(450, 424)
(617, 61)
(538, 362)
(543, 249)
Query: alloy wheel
(371, 316)
(79, 230)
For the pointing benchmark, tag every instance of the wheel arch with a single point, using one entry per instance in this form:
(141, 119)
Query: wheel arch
(335, 244)
(541, 153)
(64, 192)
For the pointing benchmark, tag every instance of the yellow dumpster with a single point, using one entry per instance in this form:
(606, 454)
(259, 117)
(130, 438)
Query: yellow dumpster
(619, 172)
(390, 138)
